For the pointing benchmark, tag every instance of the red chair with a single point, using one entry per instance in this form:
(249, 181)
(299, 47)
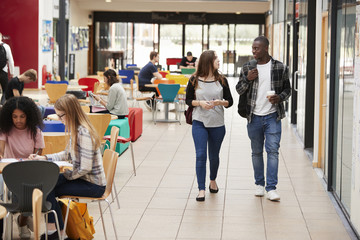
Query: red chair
(90, 82)
(164, 73)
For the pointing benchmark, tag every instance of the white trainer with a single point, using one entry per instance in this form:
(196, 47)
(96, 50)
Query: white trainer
(273, 195)
(259, 190)
(24, 231)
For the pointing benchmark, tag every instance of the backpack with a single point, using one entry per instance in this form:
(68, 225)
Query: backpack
(80, 224)
(243, 108)
(3, 59)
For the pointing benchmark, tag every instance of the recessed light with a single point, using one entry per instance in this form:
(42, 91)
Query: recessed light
(238, 13)
(107, 0)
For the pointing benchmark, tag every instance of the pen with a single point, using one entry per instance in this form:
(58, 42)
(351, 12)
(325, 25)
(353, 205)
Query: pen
(37, 151)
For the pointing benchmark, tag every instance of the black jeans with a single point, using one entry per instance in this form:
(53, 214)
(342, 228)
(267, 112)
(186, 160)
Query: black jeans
(4, 82)
(77, 187)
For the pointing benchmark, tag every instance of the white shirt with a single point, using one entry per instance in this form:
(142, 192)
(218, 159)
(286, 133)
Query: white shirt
(263, 106)
(9, 57)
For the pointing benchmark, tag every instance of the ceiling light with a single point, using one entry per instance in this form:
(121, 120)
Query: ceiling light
(107, 0)
(238, 13)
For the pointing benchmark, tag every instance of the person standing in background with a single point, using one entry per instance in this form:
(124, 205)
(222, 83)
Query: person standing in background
(6, 59)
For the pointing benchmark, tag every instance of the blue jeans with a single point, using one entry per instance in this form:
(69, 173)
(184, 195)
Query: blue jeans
(269, 129)
(77, 187)
(203, 137)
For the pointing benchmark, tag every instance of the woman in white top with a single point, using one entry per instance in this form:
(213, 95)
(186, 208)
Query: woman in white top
(208, 92)
(117, 101)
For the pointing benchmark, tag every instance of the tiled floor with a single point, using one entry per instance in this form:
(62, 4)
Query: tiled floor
(159, 202)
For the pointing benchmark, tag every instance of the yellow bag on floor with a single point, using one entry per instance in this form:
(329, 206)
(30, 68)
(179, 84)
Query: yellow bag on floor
(80, 224)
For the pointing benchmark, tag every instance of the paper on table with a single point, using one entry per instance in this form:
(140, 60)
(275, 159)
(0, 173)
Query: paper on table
(63, 164)
(8, 160)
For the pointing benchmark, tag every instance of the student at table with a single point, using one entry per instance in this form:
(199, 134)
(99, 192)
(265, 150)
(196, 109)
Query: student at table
(20, 136)
(116, 101)
(188, 61)
(87, 178)
(148, 74)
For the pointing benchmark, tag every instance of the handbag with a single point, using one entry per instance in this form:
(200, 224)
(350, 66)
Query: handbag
(80, 224)
(188, 115)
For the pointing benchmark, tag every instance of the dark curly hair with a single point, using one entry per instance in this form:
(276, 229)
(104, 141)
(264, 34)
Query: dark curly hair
(28, 106)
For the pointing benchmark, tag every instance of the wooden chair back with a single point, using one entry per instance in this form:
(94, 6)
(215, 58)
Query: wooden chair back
(100, 122)
(55, 91)
(37, 196)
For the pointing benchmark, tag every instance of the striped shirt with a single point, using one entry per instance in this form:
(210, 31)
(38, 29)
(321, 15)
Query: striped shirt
(279, 83)
(87, 162)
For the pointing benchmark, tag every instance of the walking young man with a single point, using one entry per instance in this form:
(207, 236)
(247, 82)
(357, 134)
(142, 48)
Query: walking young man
(266, 83)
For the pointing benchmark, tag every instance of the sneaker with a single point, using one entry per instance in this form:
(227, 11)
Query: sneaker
(24, 231)
(273, 195)
(148, 105)
(30, 223)
(259, 191)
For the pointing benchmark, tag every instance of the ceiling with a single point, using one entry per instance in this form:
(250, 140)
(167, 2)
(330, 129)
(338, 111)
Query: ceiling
(209, 6)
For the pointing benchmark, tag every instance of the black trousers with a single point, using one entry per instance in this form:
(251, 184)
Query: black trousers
(4, 82)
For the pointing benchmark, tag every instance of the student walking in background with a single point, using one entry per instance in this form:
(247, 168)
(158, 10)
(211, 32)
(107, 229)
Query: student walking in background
(267, 82)
(208, 92)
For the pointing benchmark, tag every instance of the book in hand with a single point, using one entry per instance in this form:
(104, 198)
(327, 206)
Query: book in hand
(93, 101)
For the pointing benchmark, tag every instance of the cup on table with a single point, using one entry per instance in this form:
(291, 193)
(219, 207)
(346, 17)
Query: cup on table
(270, 93)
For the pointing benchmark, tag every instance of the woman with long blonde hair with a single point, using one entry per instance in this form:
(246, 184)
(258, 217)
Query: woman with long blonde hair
(87, 178)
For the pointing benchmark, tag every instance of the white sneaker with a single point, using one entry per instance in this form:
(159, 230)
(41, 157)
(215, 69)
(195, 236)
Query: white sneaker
(24, 231)
(273, 195)
(259, 190)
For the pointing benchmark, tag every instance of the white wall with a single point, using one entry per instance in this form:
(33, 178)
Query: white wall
(79, 18)
(45, 58)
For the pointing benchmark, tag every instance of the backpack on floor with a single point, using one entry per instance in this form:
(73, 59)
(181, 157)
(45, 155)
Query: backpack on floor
(80, 224)
(3, 59)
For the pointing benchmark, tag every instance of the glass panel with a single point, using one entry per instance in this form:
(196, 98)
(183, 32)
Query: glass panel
(170, 43)
(144, 36)
(218, 42)
(205, 37)
(193, 39)
(110, 45)
(348, 99)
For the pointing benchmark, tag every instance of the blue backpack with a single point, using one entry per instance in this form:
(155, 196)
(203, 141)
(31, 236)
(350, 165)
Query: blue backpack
(3, 59)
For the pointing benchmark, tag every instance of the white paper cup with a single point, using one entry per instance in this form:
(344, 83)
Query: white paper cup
(270, 93)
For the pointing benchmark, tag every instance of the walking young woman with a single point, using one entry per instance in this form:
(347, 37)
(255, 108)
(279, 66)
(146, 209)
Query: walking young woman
(208, 92)
(87, 177)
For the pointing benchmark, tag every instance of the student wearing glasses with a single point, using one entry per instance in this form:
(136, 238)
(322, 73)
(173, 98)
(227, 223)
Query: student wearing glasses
(87, 178)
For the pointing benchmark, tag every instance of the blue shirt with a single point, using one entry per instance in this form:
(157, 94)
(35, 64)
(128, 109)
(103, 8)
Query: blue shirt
(146, 73)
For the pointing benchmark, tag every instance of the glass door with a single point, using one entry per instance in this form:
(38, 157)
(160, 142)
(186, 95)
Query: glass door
(193, 39)
(218, 41)
(170, 42)
(145, 37)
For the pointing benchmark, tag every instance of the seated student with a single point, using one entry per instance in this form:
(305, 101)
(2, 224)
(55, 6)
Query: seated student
(87, 178)
(20, 136)
(15, 86)
(188, 61)
(149, 73)
(117, 101)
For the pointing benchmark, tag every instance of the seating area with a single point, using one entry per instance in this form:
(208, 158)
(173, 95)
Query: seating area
(159, 202)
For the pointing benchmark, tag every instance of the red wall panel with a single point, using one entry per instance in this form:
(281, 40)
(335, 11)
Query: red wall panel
(19, 21)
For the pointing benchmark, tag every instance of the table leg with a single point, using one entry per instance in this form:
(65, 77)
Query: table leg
(7, 221)
(166, 111)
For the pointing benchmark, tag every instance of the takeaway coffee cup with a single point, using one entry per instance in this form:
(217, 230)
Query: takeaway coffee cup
(270, 93)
